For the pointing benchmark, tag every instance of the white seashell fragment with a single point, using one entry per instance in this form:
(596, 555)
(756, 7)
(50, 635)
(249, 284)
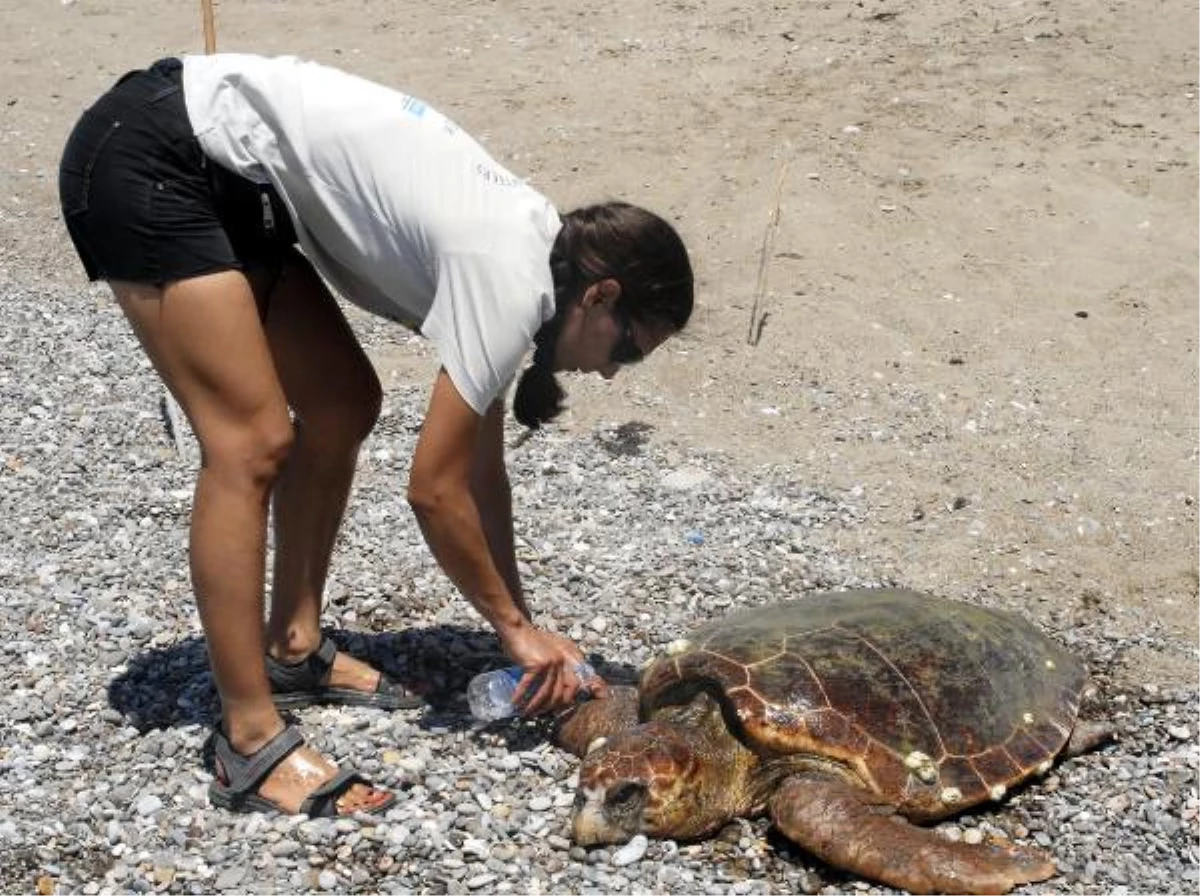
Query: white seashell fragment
(997, 792)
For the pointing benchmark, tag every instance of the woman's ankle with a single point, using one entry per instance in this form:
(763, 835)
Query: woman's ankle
(249, 731)
(293, 644)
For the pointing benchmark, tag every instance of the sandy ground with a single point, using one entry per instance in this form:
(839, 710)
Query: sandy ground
(947, 252)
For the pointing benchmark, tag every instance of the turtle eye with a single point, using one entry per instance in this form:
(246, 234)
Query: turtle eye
(625, 794)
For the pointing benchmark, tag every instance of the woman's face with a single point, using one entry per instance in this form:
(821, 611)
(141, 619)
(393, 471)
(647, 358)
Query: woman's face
(598, 338)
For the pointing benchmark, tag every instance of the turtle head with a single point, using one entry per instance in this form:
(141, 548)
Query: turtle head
(665, 778)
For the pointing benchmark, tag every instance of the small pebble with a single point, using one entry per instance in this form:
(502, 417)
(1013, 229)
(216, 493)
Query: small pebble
(230, 877)
(148, 805)
(327, 880)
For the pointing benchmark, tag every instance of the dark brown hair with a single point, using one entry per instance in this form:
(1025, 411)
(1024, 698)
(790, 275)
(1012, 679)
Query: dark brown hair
(633, 246)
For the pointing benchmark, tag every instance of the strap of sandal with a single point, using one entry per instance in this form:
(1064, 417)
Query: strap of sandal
(326, 651)
(311, 672)
(244, 773)
(322, 802)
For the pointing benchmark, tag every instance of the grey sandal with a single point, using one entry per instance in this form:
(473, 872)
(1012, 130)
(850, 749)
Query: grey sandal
(294, 685)
(244, 775)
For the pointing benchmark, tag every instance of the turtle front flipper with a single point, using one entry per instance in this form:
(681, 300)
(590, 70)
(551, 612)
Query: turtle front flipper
(579, 728)
(848, 828)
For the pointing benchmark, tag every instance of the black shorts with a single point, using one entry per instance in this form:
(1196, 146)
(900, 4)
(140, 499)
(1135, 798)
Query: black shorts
(142, 202)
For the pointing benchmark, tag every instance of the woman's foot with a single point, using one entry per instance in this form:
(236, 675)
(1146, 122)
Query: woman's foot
(294, 779)
(353, 674)
(328, 675)
(282, 774)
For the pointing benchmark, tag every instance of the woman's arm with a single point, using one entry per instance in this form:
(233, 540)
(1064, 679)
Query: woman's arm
(493, 497)
(440, 493)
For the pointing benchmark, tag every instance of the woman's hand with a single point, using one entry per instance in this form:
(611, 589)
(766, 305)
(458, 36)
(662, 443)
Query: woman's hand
(551, 662)
(457, 462)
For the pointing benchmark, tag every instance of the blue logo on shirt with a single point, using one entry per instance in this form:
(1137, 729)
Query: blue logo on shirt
(414, 106)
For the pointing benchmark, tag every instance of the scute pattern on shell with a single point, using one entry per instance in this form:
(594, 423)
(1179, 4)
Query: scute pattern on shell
(870, 678)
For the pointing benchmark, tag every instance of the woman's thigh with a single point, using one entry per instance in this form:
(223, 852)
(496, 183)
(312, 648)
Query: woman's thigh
(206, 340)
(324, 371)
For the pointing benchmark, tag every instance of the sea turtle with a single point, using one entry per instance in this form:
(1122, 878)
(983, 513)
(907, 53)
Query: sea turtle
(846, 716)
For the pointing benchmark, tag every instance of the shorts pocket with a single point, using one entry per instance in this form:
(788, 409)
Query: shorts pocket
(78, 167)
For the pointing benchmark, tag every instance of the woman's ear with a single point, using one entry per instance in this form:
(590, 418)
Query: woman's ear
(603, 292)
(590, 296)
(609, 289)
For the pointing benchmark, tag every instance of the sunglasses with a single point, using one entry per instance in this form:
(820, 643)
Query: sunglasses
(625, 350)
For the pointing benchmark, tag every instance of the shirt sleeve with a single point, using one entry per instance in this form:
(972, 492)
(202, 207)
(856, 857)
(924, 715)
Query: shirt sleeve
(483, 320)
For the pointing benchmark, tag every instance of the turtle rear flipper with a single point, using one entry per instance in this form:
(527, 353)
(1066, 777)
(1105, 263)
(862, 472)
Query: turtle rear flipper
(1088, 736)
(844, 826)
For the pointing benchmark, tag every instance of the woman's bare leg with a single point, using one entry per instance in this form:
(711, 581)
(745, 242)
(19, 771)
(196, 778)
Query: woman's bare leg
(205, 338)
(335, 396)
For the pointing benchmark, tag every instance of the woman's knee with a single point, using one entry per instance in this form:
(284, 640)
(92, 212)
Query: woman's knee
(352, 417)
(250, 456)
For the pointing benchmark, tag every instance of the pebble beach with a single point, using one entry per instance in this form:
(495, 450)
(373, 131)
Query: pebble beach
(946, 339)
(625, 546)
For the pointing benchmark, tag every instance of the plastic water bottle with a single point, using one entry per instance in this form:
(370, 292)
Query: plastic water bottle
(490, 694)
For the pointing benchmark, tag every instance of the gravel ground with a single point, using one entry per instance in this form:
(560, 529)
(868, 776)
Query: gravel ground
(626, 547)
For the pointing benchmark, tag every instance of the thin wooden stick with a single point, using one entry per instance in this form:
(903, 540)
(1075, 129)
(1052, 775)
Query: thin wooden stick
(177, 425)
(758, 317)
(210, 26)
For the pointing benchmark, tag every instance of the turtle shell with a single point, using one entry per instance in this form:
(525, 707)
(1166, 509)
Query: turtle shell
(935, 705)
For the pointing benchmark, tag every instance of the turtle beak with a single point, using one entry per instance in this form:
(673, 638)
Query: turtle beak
(610, 815)
(591, 827)
(588, 828)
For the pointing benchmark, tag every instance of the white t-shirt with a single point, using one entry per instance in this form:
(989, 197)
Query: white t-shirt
(402, 212)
